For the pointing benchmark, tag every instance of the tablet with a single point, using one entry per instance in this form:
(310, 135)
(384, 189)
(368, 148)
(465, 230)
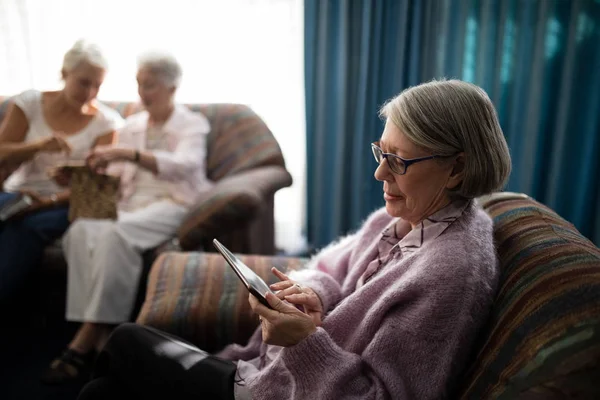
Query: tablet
(253, 282)
(15, 206)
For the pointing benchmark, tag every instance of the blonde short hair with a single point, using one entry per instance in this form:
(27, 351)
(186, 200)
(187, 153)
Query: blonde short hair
(446, 117)
(84, 51)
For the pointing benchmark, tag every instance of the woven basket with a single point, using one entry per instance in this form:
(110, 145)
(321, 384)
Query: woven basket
(93, 195)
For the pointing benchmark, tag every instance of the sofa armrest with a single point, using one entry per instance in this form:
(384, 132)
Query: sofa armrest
(266, 180)
(233, 201)
(198, 297)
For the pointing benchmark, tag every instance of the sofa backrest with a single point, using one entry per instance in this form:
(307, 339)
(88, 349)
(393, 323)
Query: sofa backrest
(239, 139)
(543, 336)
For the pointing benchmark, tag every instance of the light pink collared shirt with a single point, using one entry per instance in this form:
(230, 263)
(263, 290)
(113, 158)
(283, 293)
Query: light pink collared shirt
(183, 164)
(399, 239)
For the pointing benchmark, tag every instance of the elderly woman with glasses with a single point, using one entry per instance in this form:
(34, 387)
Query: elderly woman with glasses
(390, 311)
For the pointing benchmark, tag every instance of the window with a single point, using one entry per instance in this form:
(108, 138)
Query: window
(240, 51)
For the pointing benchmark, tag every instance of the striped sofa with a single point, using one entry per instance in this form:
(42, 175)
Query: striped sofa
(245, 160)
(542, 340)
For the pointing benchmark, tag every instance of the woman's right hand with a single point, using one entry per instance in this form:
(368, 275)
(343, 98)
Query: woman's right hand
(55, 143)
(298, 295)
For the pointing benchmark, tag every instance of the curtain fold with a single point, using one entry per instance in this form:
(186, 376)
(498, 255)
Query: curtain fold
(538, 60)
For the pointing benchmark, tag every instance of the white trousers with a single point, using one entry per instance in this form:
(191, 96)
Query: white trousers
(105, 262)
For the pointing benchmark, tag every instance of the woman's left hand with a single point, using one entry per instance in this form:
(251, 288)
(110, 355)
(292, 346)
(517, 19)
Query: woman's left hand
(284, 325)
(99, 158)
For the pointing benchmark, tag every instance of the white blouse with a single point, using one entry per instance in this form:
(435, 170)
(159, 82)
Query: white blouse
(33, 174)
(148, 188)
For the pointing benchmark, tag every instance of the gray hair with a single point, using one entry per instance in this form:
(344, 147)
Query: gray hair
(162, 64)
(446, 117)
(84, 52)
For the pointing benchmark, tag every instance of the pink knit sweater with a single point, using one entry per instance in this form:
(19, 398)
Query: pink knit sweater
(405, 333)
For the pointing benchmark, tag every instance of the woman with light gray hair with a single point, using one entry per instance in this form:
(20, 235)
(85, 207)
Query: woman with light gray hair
(160, 158)
(40, 131)
(389, 312)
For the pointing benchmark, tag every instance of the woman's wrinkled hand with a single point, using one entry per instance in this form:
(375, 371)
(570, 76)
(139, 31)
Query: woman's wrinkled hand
(283, 325)
(299, 295)
(101, 157)
(55, 143)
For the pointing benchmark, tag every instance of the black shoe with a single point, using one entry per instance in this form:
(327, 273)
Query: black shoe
(71, 366)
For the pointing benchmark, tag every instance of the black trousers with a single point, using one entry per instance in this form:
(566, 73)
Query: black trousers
(142, 362)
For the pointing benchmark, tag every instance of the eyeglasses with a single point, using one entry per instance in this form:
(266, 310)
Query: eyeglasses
(397, 164)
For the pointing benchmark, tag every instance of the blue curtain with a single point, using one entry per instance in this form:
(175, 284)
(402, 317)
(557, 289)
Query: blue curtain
(539, 60)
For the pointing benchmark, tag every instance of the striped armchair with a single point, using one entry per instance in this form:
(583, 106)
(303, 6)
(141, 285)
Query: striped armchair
(542, 340)
(245, 160)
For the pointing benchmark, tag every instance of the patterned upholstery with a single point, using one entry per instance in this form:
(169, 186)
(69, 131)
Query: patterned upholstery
(198, 297)
(545, 324)
(236, 200)
(542, 340)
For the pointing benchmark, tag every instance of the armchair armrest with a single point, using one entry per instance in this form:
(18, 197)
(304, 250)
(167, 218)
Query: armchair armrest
(198, 297)
(233, 201)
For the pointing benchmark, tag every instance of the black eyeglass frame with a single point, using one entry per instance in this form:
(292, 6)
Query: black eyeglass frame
(380, 156)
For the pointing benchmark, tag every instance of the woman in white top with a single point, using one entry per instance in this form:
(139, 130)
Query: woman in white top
(160, 157)
(42, 130)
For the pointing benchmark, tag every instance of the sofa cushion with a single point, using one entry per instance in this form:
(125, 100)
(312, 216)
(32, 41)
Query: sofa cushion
(198, 297)
(544, 328)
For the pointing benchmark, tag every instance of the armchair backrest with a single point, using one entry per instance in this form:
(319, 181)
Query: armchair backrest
(543, 336)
